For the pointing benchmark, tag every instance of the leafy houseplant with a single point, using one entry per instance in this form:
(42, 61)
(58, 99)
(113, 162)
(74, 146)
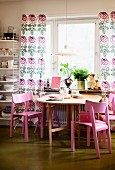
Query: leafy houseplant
(65, 72)
(81, 74)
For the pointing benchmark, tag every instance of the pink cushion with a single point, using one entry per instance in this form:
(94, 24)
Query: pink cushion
(85, 117)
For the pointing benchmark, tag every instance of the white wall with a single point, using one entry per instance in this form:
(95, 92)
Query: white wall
(10, 12)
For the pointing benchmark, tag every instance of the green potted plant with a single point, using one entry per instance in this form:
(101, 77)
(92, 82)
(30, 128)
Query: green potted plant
(65, 70)
(65, 73)
(80, 74)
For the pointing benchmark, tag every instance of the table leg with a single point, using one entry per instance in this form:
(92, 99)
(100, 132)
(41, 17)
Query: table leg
(68, 111)
(72, 112)
(50, 123)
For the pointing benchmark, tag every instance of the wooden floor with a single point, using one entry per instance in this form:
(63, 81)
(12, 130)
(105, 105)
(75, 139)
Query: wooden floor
(15, 154)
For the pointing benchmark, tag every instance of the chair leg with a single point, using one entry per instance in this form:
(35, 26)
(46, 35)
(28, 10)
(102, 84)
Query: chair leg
(39, 122)
(41, 127)
(72, 136)
(11, 127)
(23, 127)
(54, 113)
(104, 139)
(78, 132)
(26, 128)
(56, 117)
(109, 141)
(53, 116)
(36, 126)
(88, 135)
(100, 136)
(96, 143)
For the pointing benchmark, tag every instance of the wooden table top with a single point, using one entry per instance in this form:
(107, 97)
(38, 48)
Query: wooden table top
(78, 100)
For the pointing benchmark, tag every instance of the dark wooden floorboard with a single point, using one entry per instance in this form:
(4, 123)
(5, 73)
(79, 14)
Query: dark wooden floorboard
(37, 154)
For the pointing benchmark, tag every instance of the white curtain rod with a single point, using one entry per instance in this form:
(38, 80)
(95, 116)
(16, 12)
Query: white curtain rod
(71, 17)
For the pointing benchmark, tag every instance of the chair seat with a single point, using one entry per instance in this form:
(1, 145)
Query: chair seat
(27, 113)
(110, 112)
(100, 125)
(112, 117)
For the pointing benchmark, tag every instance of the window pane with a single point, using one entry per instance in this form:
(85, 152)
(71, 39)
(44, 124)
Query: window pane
(81, 38)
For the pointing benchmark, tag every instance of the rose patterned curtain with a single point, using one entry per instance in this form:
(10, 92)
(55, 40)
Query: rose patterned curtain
(107, 50)
(32, 60)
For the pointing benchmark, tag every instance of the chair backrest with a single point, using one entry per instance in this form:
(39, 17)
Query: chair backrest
(111, 96)
(111, 100)
(97, 107)
(21, 98)
(113, 105)
(30, 99)
(29, 95)
(55, 83)
(85, 117)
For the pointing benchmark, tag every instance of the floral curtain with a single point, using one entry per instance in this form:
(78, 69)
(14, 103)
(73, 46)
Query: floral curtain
(107, 50)
(32, 60)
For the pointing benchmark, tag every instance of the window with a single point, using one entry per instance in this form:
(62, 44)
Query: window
(81, 36)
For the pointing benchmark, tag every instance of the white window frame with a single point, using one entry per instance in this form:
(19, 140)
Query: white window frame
(54, 22)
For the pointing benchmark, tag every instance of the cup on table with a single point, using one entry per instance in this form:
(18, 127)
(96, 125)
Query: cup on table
(66, 91)
(62, 94)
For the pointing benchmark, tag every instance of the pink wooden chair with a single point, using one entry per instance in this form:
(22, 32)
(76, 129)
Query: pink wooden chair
(111, 107)
(96, 125)
(111, 102)
(55, 84)
(27, 115)
(112, 115)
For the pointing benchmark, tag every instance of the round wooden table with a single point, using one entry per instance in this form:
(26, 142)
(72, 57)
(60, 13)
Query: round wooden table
(70, 104)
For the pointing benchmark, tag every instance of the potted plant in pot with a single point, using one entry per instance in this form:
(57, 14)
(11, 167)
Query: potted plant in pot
(80, 74)
(65, 73)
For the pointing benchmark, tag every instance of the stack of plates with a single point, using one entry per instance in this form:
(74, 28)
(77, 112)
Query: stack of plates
(8, 87)
(10, 78)
(6, 115)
